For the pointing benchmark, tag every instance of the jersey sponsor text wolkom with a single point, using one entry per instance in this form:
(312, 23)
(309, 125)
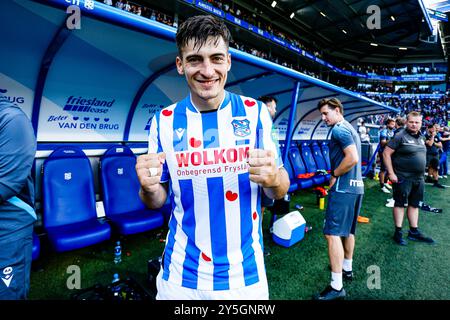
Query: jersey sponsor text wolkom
(215, 237)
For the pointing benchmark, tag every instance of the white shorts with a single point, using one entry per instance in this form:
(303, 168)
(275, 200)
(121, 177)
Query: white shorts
(171, 291)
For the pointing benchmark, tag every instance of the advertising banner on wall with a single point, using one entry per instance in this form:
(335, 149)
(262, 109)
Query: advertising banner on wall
(17, 93)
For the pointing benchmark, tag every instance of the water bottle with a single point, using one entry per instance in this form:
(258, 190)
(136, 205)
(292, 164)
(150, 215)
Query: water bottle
(117, 253)
(115, 287)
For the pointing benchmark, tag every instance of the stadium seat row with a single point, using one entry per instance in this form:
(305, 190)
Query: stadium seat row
(69, 204)
(308, 164)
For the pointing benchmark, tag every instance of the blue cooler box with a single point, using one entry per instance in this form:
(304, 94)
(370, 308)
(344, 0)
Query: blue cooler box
(289, 229)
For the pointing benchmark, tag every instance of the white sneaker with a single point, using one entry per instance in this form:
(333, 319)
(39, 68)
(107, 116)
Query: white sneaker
(390, 204)
(385, 190)
(389, 199)
(445, 177)
(387, 185)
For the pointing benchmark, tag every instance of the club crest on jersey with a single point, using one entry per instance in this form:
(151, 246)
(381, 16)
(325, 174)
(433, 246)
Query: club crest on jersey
(241, 127)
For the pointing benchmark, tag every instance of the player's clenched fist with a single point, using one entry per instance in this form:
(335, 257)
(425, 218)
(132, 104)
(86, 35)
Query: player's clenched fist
(262, 168)
(149, 170)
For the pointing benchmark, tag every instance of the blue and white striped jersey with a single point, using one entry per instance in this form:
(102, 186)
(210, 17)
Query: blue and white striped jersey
(215, 238)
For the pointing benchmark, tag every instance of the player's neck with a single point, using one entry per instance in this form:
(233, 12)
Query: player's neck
(208, 105)
(339, 119)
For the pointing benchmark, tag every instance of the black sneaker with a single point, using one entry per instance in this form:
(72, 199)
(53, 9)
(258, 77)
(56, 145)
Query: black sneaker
(418, 236)
(330, 294)
(347, 275)
(426, 207)
(398, 238)
(438, 185)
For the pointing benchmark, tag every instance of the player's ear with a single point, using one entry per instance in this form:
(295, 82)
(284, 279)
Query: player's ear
(179, 64)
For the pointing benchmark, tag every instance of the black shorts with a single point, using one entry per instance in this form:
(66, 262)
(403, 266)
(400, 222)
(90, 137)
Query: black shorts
(342, 213)
(433, 161)
(408, 193)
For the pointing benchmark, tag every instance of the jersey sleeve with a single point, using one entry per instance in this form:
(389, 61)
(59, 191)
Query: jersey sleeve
(265, 138)
(17, 151)
(343, 136)
(383, 135)
(154, 145)
(394, 143)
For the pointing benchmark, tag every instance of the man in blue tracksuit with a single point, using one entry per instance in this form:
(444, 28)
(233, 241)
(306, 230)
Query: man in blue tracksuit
(17, 216)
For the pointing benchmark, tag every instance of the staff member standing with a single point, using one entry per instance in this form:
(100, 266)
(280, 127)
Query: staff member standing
(17, 216)
(345, 197)
(405, 159)
(433, 142)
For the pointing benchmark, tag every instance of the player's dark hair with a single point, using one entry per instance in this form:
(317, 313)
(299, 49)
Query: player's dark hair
(400, 121)
(199, 29)
(266, 99)
(389, 120)
(332, 103)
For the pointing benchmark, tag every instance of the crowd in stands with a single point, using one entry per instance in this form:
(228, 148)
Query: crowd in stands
(434, 111)
(381, 88)
(142, 11)
(252, 17)
(384, 70)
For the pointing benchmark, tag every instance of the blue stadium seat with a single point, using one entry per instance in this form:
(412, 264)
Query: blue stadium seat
(293, 180)
(319, 158)
(120, 186)
(326, 154)
(310, 164)
(69, 213)
(36, 247)
(299, 168)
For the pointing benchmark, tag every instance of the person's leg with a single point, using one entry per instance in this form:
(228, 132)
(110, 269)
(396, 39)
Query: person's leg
(349, 246)
(349, 241)
(15, 267)
(381, 177)
(347, 264)
(401, 192)
(413, 216)
(444, 164)
(415, 198)
(398, 214)
(338, 222)
(335, 253)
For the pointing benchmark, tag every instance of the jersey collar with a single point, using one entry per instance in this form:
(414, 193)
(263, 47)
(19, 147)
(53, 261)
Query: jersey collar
(191, 106)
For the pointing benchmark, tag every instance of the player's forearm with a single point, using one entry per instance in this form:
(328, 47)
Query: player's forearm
(281, 186)
(156, 199)
(388, 162)
(346, 165)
